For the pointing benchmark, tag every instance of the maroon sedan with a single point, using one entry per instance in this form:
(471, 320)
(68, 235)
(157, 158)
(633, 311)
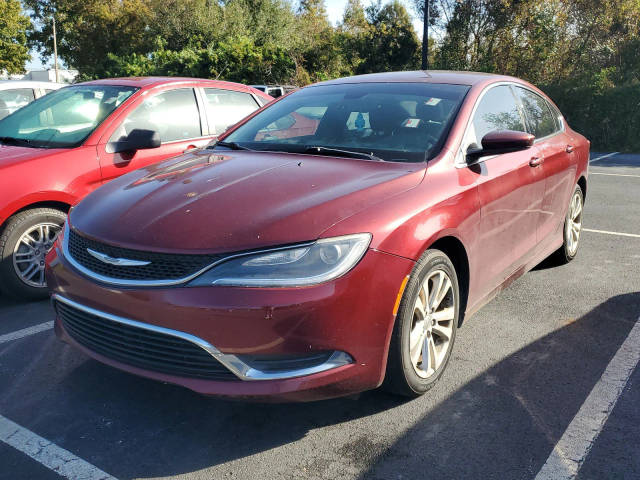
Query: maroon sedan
(316, 260)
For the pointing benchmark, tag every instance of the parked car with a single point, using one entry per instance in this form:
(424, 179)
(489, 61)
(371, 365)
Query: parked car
(15, 94)
(62, 146)
(326, 262)
(275, 90)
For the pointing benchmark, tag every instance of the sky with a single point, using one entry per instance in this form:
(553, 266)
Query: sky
(335, 9)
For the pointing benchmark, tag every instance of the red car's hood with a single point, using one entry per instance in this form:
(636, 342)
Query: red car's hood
(10, 155)
(212, 202)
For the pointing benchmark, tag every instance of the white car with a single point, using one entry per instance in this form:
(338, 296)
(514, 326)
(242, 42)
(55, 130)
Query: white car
(15, 94)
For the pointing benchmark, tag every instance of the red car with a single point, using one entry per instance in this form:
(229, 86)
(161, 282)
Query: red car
(64, 145)
(310, 266)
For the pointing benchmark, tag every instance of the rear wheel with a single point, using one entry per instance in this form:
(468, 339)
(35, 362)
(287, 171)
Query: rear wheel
(26, 239)
(572, 228)
(425, 327)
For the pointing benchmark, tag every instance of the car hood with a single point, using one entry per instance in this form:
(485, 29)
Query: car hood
(216, 202)
(10, 154)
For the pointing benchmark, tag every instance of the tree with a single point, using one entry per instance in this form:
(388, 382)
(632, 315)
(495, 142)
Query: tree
(390, 43)
(14, 27)
(89, 30)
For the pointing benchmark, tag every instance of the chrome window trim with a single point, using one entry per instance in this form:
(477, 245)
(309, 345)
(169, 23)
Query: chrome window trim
(233, 363)
(154, 283)
(459, 150)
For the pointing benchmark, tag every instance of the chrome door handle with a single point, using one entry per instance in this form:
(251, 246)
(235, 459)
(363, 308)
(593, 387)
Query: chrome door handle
(570, 148)
(536, 161)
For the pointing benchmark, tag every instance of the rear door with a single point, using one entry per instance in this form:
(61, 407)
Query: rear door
(174, 113)
(225, 108)
(510, 188)
(558, 169)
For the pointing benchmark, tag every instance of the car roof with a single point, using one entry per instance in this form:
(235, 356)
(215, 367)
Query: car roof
(424, 76)
(10, 84)
(147, 82)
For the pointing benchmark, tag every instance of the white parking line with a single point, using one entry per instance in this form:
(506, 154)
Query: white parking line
(576, 442)
(614, 174)
(602, 157)
(621, 234)
(25, 332)
(50, 455)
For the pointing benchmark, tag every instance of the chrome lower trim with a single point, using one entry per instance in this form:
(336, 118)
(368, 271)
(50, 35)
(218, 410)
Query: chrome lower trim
(239, 368)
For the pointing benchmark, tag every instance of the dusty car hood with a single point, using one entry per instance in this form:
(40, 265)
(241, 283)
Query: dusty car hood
(11, 154)
(219, 202)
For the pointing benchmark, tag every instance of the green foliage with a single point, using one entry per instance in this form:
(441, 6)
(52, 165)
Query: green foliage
(609, 117)
(585, 52)
(14, 26)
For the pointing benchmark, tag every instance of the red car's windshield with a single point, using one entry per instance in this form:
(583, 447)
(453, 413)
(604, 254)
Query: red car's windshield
(64, 118)
(402, 122)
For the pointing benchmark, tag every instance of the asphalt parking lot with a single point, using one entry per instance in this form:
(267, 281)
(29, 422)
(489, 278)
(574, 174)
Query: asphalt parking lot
(543, 384)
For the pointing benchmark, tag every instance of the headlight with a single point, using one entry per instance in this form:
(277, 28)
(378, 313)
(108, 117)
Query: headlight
(307, 264)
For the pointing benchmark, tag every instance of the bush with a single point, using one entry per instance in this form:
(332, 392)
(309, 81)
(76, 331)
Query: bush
(609, 117)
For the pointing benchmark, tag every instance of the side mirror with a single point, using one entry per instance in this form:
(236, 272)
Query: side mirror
(138, 139)
(503, 141)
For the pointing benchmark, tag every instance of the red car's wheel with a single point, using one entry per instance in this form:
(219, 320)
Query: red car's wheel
(24, 242)
(572, 228)
(425, 328)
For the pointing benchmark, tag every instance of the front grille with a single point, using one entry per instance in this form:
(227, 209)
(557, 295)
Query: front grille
(163, 266)
(138, 347)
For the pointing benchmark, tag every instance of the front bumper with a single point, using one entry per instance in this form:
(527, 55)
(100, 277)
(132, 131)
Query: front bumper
(351, 317)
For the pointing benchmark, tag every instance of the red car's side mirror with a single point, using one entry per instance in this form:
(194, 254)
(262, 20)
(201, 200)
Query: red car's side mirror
(502, 141)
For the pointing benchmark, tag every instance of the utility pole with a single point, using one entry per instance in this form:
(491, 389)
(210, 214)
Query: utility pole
(425, 37)
(55, 47)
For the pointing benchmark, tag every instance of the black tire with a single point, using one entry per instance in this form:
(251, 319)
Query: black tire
(564, 254)
(11, 284)
(401, 377)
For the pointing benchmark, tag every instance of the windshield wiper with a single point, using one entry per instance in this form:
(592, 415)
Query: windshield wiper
(231, 145)
(336, 152)
(16, 141)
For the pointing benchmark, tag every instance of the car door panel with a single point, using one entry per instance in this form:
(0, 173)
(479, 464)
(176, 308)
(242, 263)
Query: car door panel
(172, 113)
(545, 124)
(510, 193)
(510, 189)
(559, 172)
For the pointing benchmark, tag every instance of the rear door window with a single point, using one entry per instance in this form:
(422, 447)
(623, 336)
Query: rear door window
(540, 119)
(226, 107)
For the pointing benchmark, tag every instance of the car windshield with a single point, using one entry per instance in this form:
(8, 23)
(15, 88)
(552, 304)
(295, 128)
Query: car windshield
(64, 118)
(401, 122)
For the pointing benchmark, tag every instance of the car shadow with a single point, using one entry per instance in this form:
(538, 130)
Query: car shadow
(505, 422)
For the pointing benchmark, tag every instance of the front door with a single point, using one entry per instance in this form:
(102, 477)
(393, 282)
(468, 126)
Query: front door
(174, 114)
(510, 189)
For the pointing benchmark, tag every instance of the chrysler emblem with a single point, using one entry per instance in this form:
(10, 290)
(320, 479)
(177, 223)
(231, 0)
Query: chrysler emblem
(121, 262)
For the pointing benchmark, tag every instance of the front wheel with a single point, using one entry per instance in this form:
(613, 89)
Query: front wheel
(26, 239)
(425, 326)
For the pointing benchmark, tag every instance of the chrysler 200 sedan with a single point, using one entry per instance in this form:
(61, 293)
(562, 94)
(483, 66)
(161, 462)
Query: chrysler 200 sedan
(329, 244)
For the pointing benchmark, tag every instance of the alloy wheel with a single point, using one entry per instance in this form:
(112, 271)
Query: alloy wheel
(574, 224)
(433, 324)
(30, 251)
